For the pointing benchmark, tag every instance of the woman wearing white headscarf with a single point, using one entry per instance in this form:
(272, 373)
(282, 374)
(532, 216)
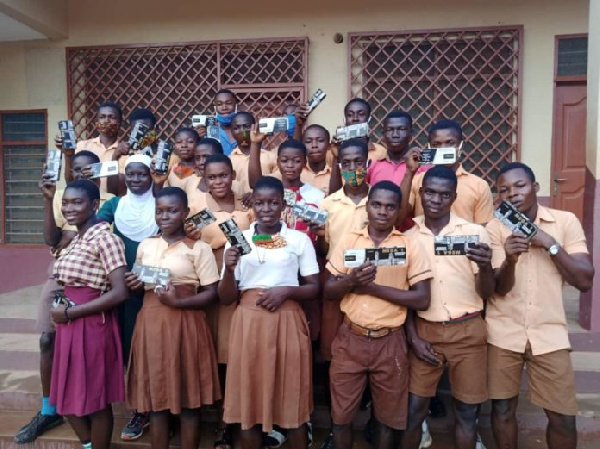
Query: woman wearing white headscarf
(133, 219)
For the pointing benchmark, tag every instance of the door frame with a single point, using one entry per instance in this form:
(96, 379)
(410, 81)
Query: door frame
(560, 81)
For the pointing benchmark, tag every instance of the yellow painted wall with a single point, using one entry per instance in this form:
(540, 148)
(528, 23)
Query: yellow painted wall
(33, 75)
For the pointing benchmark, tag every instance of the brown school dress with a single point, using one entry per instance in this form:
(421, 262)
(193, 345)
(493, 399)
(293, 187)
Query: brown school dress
(269, 370)
(172, 365)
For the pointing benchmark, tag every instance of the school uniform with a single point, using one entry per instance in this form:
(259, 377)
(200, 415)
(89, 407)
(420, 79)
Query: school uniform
(217, 315)
(343, 216)
(104, 153)
(172, 365)
(269, 374)
(528, 326)
(452, 324)
(241, 162)
(370, 346)
(474, 201)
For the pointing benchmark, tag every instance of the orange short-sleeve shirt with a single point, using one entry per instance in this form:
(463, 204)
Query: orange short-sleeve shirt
(105, 154)
(367, 310)
(474, 201)
(533, 310)
(453, 288)
(188, 261)
(241, 162)
(344, 215)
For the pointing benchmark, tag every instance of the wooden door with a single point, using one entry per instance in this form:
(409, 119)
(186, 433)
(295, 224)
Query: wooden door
(568, 147)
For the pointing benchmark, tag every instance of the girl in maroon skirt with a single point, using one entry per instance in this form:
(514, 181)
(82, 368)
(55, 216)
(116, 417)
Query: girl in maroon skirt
(269, 379)
(87, 373)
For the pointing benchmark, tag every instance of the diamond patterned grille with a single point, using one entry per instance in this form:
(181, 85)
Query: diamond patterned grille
(472, 76)
(176, 81)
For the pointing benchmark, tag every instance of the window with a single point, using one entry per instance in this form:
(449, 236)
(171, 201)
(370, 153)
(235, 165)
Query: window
(176, 81)
(471, 76)
(23, 141)
(572, 56)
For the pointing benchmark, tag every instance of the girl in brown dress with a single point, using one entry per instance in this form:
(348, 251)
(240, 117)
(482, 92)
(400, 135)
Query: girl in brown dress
(269, 365)
(172, 367)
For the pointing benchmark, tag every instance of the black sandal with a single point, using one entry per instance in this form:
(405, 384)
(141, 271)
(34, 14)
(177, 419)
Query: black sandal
(226, 441)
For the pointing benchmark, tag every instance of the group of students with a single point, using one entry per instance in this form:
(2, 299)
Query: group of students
(246, 327)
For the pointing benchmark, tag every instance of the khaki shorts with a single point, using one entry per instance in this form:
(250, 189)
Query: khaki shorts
(550, 377)
(383, 363)
(43, 324)
(462, 347)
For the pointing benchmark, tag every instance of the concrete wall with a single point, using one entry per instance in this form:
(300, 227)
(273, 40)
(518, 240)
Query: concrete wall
(33, 74)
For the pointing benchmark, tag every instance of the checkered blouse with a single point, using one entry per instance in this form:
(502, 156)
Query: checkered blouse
(88, 260)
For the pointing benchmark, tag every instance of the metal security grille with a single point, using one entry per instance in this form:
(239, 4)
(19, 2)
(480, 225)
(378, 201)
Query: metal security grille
(176, 81)
(469, 75)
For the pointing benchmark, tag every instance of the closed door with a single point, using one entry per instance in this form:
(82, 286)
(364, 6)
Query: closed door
(568, 148)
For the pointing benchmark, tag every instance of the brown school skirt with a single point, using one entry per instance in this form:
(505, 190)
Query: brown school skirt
(269, 369)
(172, 364)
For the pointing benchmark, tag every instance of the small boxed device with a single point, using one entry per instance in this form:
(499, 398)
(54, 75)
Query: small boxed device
(153, 276)
(203, 120)
(315, 101)
(202, 219)
(438, 156)
(138, 132)
(309, 213)
(515, 220)
(273, 125)
(235, 236)
(67, 134)
(385, 256)
(163, 154)
(352, 132)
(104, 169)
(54, 164)
(454, 245)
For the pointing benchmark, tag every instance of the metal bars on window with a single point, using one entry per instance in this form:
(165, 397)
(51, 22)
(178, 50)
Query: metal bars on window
(469, 75)
(176, 81)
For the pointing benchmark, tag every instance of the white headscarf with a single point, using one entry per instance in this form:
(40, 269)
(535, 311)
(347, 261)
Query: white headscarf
(135, 214)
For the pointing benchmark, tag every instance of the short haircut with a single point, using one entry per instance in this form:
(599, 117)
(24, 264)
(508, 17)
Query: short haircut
(445, 124)
(111, 104)
(365, 103)
(213, 143)
(269, 183)
(441, 172)
(142, 114)
(190, 131)
(514, 166)
(87, 154)
(91, 190)
(398, 114)
(292, 143)
(320, 128)
(364, 148)
(226, 91)
(218, 159)
(244, 114)
(173, 191)
(388, 186)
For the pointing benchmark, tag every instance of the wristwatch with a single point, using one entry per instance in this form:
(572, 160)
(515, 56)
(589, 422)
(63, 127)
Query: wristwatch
(553, 250)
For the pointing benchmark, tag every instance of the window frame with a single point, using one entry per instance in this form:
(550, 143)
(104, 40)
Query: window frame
(3, 144)
(567, 78)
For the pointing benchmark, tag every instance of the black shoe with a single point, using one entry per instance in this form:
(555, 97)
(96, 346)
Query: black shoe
(36, 427)
(275, 438)
(437, 409)
(328, 443)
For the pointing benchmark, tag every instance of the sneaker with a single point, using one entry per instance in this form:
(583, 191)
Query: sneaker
(135, 427)
(310, 433)
(328, 443)
(478, 443)
(275, 438)
(426, 440)
(36, 427)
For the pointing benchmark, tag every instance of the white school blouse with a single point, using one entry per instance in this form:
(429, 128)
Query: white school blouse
(279, 267)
